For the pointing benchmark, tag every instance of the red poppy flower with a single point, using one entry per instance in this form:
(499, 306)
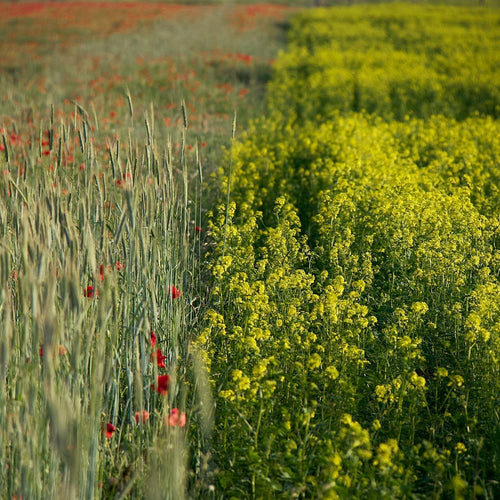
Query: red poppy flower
(176, 418)
(101, 272)
(89, 292)
(245, 58)
(141, 416)
(61, 350)
(110, 428)
(120, 266)
(14, 138)
(160, 358)
(198, 229)
(153, 339)
(174, 292)
(162, 385)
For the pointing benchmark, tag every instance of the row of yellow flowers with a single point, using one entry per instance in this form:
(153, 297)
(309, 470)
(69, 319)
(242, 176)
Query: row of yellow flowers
(354, 337)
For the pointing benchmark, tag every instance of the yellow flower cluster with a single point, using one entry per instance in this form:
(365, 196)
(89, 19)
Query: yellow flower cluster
(398, 61)
(356, 271)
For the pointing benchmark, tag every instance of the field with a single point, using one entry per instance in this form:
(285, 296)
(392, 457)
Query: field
(257, 261)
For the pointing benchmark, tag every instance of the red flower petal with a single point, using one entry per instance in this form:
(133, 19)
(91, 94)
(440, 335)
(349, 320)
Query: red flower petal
(177, 418)
(89, 292)
(162, 385)
(174, 292)
(160, 358)
(141, 416)
(110, 429)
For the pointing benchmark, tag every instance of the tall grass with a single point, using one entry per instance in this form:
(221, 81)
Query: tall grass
(92, 245)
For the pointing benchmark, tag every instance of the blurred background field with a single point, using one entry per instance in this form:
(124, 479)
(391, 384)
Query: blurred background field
(160, 53)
